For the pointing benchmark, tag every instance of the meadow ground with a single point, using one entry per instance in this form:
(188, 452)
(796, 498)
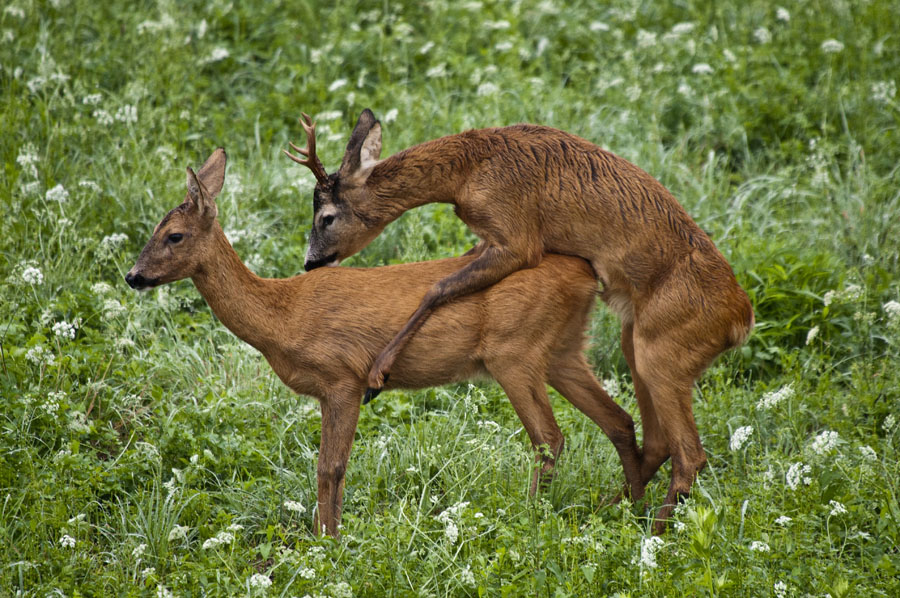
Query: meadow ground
(146, 451)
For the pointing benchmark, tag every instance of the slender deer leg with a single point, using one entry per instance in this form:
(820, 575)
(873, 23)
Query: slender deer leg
(528, 396)
(655, 450)
(339, 419)
(670, 382)
(573, 379)
(492, 265)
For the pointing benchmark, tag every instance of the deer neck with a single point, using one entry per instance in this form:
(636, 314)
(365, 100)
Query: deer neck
(245, 303)
(425, 173)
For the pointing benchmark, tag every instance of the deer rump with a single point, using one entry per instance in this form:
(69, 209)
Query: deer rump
(525, 320)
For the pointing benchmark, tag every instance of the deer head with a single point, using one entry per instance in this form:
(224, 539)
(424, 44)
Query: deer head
(182, 240)
(338, 231)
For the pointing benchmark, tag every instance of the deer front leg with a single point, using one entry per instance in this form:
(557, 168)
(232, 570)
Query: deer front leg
(491, 266)
(339, 420)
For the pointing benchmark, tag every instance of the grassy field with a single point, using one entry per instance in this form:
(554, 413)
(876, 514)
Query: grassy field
(144, 451)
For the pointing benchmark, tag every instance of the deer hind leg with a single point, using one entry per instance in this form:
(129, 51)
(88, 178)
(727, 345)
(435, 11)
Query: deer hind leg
(339, 419)
(491, 266)
(668, 372)
(572, 377)
(528, 396)
(655, 451)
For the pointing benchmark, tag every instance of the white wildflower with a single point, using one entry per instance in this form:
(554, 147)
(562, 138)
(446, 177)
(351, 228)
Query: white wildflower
(649, 547)
(853, 292)
(341, 589)
(126, 114)
(506, 46)
(112, 309)
(868, 453)
(218, 54)
(829, 297)
(57, 193)
(67, 541)
(148, 572)
(138, 551)
(89, 184)
(825, 442)
(391, 115)
(103, 117)
(892, 309)
(258, 581)
(32, 276)
(51, 403)
(92, 99)
(740, 436)
(218, 539)
(599, 26)
(782, 14)
(783, 521)
(235, 527)
(64, 329)
(883, 92)
(645, 39)
(757, 546)
(451, 531)
(773, 398)
(110, 243)
(14, 11)
(836, 508)
(125, 343)
(497, 25)
(39, 355)
(762, 35)
(437, 71)
(316, 553)
(729, 55)
(337, 84)
(163, 592)
(701, 68)
(78, 422)
(293, 505)
(179, 532)
(683, 28)
(780, 589)
(797, 474)
(832, 46)
(611, 386)
(487, 88)
(101, 288)
(467, 577)
(889, 422)
(77, 519)
(307, 573)
(812, 334)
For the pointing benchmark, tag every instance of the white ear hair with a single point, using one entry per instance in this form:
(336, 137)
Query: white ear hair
(371, 148)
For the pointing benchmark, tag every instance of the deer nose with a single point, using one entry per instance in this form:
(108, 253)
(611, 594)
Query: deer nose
(135, 281)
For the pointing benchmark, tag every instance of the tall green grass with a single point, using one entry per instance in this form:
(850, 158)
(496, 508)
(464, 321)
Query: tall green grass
(145, 451)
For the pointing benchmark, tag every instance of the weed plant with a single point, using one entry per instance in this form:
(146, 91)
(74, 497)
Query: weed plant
(144, 451)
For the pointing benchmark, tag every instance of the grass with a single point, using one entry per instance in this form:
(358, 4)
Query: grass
(139, 429)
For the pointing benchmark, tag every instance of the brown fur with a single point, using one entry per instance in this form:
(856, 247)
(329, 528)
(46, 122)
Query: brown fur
(527, 190)
(320, 333)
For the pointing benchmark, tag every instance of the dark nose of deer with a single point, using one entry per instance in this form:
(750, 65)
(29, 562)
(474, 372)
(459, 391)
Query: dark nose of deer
(135, 281)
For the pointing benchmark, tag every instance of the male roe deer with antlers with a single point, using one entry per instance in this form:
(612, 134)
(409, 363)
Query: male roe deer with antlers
(527, 190)
(320, 332)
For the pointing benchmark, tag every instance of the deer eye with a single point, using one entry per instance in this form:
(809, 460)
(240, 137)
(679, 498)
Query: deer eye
(175, 238)
(327, 220)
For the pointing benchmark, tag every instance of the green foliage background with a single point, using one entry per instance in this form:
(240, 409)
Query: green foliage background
(775, 126)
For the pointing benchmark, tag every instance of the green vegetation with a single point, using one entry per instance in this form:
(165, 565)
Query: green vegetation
(146, 451)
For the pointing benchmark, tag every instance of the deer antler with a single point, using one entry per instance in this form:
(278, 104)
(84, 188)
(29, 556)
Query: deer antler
(312, 161)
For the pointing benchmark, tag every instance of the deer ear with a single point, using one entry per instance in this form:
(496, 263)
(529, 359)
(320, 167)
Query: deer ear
(363, 149)
(199, 196)
(212, 173)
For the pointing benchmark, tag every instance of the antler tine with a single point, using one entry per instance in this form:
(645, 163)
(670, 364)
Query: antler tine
(312, 161)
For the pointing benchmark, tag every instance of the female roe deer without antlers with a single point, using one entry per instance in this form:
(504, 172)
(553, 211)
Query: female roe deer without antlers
(319, 332)
(528, 190)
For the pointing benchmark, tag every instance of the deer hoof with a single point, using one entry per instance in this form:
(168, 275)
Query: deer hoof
(371, 393)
